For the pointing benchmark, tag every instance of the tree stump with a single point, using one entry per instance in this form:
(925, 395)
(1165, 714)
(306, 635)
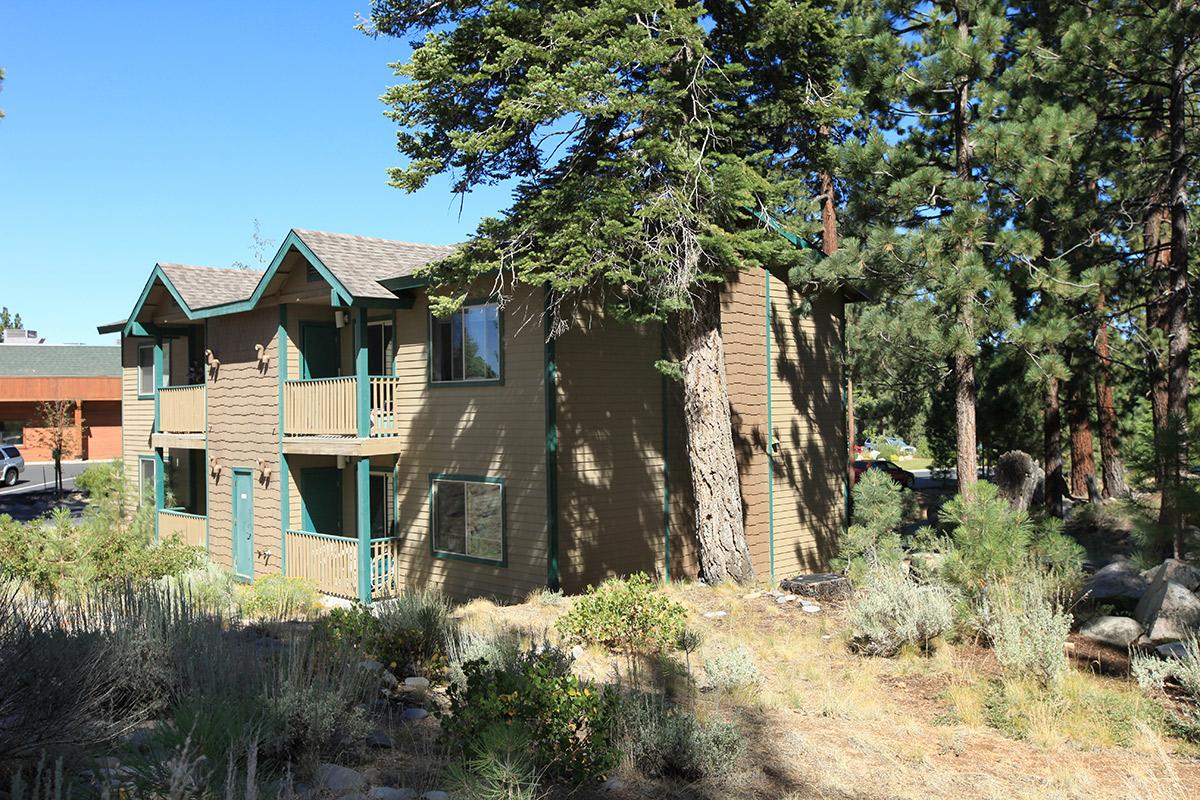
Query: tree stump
(1019, 479)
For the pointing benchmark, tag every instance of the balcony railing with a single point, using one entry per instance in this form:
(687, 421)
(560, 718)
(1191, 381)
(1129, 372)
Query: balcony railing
(329, 406)
(191, 528)
(181, 409)
(332, 563)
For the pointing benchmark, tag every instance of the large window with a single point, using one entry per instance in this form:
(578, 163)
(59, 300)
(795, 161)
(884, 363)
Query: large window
(146, 474)
(468, 517)
(380, 349)
(466, 345)
(146, 369)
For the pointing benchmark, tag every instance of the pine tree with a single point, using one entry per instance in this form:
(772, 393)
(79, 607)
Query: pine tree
(650, 139)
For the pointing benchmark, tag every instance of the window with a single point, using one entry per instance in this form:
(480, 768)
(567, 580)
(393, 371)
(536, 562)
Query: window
(145, 370)
(12, 432)
(380, 348)
(466, 345)
(382, 518)
(146, 482)
(468, 518)
(12, 452)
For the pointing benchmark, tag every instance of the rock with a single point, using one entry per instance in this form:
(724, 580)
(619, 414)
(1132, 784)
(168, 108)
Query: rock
(435, 794)
(823, 586)
(1116, 631)
(416, 683)
(716, 614)
(389, 793)
(415, 714)
(379, 738)
(787, 598)
(338, 778)
(810, 609)
(1173, 650)
(1168, 611)
(613, 784)
(1117, 584)
(577, 652)
(1179, 571)
(386, 678)
(752, 596)
(372, 776)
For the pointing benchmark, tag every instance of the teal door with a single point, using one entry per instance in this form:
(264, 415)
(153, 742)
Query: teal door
(243, 524)
(319, 350)
(321, 500)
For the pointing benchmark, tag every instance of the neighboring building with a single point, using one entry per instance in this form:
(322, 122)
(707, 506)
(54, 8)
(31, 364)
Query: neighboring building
(315, 419)
(88, 376)
(20, 336)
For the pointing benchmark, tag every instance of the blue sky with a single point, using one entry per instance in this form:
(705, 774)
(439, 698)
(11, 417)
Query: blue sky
(138, 132)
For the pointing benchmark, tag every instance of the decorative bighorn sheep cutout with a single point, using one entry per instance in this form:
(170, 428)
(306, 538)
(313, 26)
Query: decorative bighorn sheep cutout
(264, 472)
(214, 469)
(214, 365)
(264, 360)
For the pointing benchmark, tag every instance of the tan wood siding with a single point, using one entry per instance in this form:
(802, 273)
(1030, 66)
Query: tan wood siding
(744, 331)
(807, 418)
(486, 430)
(243, 420)
(610, 453)
(137, 416)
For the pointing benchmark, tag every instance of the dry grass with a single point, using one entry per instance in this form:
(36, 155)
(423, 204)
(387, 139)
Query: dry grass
(825, 723)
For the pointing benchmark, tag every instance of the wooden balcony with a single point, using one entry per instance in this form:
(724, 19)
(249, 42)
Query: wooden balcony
(329, 406)
(182, 409)
(332, 563)
(191, 528)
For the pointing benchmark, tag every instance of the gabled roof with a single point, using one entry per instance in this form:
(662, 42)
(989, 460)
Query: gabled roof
(205, 287)
(354, 266)
(60, 361)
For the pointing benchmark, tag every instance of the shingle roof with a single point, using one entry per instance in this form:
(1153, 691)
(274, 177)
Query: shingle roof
(202, 287)
(360, 262)
(59, 361)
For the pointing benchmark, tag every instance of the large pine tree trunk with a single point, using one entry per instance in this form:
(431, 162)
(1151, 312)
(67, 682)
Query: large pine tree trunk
(1178, 350)
(1052, 450)
(1083, 459)
(724, 555)
(1106, 414)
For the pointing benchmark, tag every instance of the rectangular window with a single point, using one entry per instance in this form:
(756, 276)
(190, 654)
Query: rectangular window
(381, 505)
(468, 518)
(13, 432)
(380, 348)
(146, 474)
(145, 370)
(466, 345)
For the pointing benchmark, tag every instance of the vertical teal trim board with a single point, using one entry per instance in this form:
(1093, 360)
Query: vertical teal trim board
(362, 511)
(160, 493)
(550, 381)
(770, 432)
(363, 384)
(285, 509)
(207, 462)
(666, 457)
(158, 378)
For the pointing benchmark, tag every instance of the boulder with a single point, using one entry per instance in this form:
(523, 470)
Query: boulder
(1181, 572)
(339, 779)
(390, 793)
(1116, 631)
(1168, 611)
(1173, 650)
(415, 714)
(823, 586)
(416, 683)
(1118, 584)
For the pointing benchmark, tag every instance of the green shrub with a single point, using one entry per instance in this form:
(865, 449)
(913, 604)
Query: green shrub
(209, 588)
(872, 539)
(890, 611)
(277, 597)
(497, 648)
(410, 633)
(1153, 674)
(732, 669)
(625, 615)
(569, 722)
(1029, 632)
(102, 481)
(499, 766)
(664, 741)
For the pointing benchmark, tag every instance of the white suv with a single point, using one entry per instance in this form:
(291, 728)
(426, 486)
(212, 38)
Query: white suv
(12, 464)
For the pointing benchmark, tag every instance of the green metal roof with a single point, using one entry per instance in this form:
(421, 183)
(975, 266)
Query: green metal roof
(60, 361)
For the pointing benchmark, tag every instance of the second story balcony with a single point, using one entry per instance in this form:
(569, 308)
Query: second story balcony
(182, 409)
(339, 407)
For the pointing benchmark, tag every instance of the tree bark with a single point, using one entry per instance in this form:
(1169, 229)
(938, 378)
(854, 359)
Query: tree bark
(1083, 459)
(724, 555)
(829, 245)
(1052, 447)
(1178, 299)
(1106, 414)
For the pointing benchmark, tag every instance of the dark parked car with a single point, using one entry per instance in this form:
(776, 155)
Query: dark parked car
(897, 473)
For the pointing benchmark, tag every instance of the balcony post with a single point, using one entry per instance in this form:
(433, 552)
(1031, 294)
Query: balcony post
(363, 526)
(160, 489)
(158, 379)
(363, 382)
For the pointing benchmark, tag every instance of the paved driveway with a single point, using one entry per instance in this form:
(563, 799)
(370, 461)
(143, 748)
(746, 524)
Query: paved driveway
(39, 477)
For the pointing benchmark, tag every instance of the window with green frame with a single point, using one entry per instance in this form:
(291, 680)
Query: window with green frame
(465, 346)
(468, 517)
(146, 479)
(383, 499)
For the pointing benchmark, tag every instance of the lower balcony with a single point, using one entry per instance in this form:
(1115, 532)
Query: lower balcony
(333, 563)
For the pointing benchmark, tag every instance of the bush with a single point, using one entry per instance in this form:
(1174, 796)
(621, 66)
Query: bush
(732, 669)
(890, 611)
(569, 722)
(663, 741)
(872, 538)
(1153, 674)
(1029, 632)
(625, 615)
(498, 767)
(277, 597)
(102, 481)
(209, 588)
(409, 633)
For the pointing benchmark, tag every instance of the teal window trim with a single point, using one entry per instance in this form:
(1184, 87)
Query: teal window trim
(141, 487)
(499, 381)
(138, 360)
(434, 477)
